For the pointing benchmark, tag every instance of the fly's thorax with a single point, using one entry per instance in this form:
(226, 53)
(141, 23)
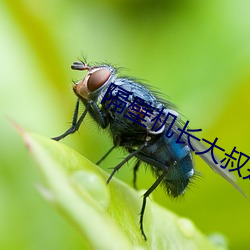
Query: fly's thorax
(157, 127)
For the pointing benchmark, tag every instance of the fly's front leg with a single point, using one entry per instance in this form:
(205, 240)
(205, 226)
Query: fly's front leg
(98, 115)
(75, 123)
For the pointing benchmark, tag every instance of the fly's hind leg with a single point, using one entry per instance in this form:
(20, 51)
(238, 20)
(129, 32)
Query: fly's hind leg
(145, 196)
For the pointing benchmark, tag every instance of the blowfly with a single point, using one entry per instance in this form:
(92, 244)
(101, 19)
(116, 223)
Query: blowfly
(147, 126)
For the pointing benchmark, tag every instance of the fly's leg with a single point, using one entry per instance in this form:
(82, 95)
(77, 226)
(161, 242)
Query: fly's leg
(99, 116)
(75, 124)
(145, 196)
(135, 169)
(105, 155)
(125, 160)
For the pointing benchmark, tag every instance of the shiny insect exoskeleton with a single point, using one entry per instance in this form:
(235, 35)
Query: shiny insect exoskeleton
(134, 117)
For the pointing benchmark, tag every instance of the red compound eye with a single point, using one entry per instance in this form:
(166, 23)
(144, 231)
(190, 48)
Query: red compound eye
(97, 79)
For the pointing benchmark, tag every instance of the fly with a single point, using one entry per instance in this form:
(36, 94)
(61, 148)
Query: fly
(142, 123)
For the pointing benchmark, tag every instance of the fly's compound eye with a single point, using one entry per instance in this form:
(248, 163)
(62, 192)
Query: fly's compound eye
(97, 79)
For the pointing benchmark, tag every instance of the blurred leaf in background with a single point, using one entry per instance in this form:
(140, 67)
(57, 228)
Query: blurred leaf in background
(196, 53)
(107, 215)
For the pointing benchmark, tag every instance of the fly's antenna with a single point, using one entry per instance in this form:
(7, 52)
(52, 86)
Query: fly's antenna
(80, 66)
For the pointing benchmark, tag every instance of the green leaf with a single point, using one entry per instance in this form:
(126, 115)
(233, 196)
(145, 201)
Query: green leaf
(107, 215)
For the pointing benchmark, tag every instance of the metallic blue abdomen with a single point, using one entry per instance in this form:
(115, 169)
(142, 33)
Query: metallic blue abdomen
(175, 159)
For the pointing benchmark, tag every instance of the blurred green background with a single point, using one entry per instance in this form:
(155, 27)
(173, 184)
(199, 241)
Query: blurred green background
(196, 52)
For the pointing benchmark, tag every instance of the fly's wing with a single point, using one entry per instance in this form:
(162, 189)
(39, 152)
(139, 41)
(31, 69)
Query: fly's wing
(197, 146)
(216, 167)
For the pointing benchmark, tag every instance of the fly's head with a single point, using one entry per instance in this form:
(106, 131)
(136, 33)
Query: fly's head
(95, 80)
